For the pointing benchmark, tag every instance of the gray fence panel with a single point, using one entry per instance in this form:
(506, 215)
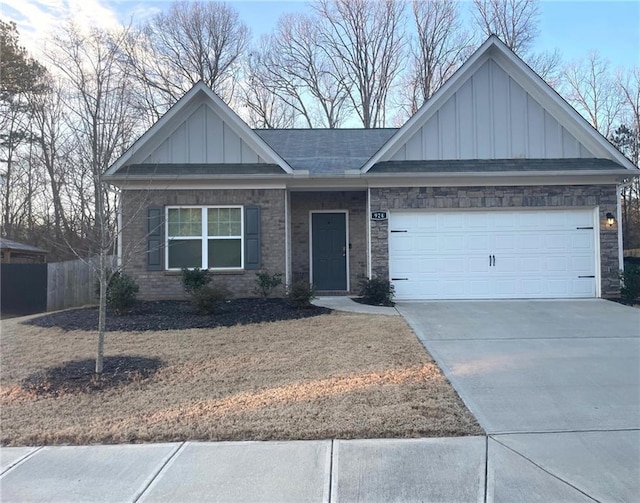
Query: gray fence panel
(72, 283)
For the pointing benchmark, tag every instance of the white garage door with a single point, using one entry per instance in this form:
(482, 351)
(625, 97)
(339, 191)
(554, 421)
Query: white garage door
(493, 254)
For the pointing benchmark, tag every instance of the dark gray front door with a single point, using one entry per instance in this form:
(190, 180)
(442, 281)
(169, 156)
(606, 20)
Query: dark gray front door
(329, 252)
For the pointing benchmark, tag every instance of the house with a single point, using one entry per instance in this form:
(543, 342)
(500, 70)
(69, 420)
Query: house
(13, 252)
(496, 188)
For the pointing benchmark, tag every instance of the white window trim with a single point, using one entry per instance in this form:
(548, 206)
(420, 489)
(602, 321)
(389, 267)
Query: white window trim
(204, 237)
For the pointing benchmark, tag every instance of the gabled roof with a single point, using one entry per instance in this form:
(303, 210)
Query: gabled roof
(326, 151)
(497, 165)
(171, 120)
(550, 100)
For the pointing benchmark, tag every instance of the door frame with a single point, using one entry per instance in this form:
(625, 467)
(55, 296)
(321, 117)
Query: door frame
(346, 241)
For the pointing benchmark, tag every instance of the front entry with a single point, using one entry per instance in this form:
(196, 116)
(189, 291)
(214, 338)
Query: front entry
(329, 251)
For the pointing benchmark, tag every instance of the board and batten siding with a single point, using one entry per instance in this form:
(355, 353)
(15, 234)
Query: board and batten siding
(491, 117)
(203, 137)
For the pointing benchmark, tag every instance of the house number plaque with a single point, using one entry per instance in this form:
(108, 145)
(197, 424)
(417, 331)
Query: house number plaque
(378, 215)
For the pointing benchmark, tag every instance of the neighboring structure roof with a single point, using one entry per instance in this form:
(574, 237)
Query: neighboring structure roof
(495, 165)
(326, 151)
(8, 244)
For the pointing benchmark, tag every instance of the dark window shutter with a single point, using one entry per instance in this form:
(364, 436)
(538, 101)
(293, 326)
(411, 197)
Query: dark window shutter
(252, 237)
(155, 243)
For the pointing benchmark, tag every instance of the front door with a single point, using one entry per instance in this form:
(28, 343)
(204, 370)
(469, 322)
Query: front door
(329, 251)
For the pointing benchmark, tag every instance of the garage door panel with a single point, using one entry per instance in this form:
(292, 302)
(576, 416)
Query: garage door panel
(529, 265)
(451, 221)
(556, 264)
(478, 264)
(479, 287)
(582, 241)
(538, 254)
(477, 242)
(453, 243)
(504, 242)
(582, 265)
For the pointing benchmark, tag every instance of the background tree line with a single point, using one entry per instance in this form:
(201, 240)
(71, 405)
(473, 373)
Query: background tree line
(345, 63)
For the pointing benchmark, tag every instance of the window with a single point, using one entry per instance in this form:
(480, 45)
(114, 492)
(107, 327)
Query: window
(205, 237)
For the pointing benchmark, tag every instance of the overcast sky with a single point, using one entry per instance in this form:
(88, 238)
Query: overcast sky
(574, 27)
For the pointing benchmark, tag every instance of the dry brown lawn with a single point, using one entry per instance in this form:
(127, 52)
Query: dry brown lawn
(339, 375)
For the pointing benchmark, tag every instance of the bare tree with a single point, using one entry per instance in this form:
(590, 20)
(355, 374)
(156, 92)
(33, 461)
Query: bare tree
(515, 22)
(191, 42)
(100, 116)
(263, 108)
(627, 138)
(440, 47)
(629, 84)
(364, 40)
(592, 90)
(54, 147)
(292, 66)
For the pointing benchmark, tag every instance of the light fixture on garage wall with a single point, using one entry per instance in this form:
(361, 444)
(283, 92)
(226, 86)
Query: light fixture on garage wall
(610, 219)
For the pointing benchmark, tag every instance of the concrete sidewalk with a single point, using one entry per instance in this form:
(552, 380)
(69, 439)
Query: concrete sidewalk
(465, 469)
(342, 303)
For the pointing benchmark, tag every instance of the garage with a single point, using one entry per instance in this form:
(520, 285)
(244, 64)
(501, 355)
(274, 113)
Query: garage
(500, 254)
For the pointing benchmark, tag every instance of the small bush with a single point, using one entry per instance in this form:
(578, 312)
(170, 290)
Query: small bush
(121, 292)
(206, 299)
(301, 294)
(194, 279)
(377, 292)
(630, 289)
(266, 283)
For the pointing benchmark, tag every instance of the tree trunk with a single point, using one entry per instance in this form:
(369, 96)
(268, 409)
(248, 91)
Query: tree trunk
(102, 311)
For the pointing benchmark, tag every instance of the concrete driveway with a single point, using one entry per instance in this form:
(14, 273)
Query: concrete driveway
(555, 384)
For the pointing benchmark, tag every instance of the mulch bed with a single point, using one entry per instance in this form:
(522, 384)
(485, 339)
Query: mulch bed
(179, 315)
(78, 376)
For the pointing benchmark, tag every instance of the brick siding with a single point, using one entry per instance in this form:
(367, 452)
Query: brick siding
(157, 285)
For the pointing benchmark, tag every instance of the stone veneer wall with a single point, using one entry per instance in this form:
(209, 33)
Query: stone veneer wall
(353, 201)
(442, 198)
(157, 285)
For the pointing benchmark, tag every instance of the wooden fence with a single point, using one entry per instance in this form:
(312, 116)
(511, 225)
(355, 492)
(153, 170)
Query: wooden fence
(71, 284)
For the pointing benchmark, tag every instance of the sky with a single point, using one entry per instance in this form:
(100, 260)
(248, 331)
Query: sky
(574, 27)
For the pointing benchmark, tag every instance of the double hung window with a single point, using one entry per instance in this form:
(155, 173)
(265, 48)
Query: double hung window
(209, 237)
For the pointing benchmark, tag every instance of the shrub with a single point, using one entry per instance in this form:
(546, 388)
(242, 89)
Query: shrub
(301, 294)
(630, 289)
(377, 292)
(194, 279)
(206, 299)
(266, 283)
(121, 292)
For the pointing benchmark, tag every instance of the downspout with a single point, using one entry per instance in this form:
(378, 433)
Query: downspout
(368, 217)
(119, 232)
(287, 237)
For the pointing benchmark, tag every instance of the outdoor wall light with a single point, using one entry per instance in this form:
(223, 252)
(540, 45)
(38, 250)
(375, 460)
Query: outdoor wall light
(610, 219)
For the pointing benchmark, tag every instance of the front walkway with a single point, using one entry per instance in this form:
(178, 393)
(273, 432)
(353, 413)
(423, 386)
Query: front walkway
(344, 303)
